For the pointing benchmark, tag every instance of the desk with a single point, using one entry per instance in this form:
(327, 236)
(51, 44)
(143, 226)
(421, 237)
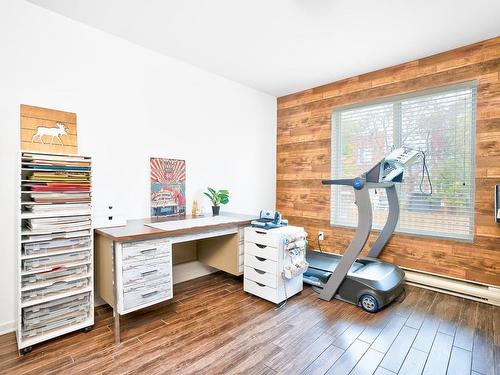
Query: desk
(133, 266)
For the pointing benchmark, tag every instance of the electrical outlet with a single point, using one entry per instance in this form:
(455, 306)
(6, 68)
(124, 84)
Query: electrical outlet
(321, 236)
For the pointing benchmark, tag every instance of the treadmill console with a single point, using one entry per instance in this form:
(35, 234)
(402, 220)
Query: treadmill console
(392, 167)
(403, 156)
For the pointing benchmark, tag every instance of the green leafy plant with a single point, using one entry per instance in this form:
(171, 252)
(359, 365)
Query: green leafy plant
(217, 197)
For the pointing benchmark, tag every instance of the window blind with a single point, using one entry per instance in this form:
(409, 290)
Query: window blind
(442, 124)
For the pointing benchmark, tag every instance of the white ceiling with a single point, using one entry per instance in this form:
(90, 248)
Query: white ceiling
(285, 46)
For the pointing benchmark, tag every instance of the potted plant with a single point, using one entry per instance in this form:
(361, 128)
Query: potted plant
(217, 197)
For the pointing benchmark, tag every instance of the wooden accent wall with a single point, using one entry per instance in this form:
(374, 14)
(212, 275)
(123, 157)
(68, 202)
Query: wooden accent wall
(304, 156)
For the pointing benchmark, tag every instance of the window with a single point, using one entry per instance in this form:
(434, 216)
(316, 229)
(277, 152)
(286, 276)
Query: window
(441, 123)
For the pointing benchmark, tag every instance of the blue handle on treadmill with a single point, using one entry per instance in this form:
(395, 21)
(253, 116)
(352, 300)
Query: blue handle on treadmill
(358, 184)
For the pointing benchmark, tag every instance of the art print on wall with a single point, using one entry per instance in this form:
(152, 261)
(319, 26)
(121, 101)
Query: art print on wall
(168, 187)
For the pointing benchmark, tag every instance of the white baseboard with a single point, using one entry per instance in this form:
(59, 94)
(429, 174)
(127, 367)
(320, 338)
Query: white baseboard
(7, 327)
(460, 288)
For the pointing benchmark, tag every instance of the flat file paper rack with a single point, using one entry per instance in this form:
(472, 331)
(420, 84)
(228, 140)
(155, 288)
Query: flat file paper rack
(55, 247)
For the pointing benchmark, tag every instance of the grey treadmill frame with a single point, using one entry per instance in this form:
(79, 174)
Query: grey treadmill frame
(365, 220)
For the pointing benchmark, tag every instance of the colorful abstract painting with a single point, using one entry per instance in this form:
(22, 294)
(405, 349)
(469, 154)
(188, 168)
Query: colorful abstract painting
(168, 187)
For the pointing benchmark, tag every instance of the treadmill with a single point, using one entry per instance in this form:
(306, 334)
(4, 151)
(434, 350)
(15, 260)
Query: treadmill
(367, 282)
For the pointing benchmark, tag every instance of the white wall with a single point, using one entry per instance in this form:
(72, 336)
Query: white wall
(131, 104)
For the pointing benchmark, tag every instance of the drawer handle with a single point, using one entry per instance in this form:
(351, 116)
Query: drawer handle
(259, 284)
(150, 272)
(261, 246)
(149, 294)
(148, 250)
(260, 259)
(259, 271)
(259, 232)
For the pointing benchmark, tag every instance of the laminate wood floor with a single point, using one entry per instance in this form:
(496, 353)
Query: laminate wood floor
(213, 327)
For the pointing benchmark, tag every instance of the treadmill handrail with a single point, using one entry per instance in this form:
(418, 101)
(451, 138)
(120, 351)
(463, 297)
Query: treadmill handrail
(365, 217)
(350, 182)
(379, 185)
(390, 224)
(340, 181)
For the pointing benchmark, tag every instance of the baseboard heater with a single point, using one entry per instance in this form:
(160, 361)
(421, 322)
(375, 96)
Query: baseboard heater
(465, 289)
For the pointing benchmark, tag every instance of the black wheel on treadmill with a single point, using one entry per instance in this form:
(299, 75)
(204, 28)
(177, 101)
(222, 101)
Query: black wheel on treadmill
(26, 350)
(369, 303)
(88, 329)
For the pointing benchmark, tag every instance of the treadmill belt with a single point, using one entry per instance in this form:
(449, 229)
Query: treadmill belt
(327, 262)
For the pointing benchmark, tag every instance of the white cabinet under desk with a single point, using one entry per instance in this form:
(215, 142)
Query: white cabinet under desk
(144, 273)
(134, 265)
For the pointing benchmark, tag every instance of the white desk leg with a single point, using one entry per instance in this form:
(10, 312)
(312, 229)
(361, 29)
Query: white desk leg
(116, 315)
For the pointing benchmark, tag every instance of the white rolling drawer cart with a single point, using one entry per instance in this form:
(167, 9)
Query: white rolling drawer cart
(265, 260)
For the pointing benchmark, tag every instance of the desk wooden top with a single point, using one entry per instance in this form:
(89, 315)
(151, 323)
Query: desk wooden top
(137, 230)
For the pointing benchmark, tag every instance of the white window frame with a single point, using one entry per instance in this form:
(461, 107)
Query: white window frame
(336, 156)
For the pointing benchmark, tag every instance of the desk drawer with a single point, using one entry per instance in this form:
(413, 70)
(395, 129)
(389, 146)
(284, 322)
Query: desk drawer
(261, 277)
(262, 237)
(262, 251)
(144, 294)
(262, 264)
(147, 272)
(145, 250)
(260, 290)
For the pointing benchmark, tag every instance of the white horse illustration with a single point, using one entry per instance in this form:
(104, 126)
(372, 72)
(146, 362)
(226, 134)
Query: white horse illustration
(56, 132)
